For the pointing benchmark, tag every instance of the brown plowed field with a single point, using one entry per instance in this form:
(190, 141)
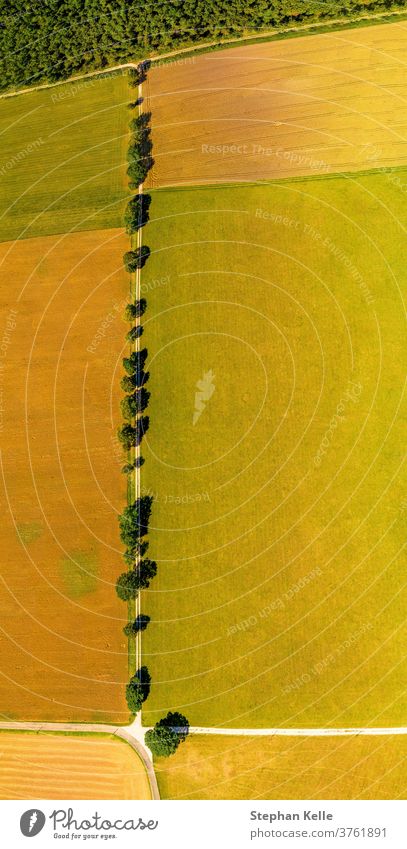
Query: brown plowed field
(63, 653)
(312, 105)
(54, 766)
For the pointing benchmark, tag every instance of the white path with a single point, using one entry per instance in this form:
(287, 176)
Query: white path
(298, 732)
(134, 734)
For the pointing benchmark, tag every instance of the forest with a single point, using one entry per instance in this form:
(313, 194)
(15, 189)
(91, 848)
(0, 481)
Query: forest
(54, 39)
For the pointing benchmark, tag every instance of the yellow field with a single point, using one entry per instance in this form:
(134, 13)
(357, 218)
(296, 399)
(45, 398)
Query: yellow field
(312, 105)
(63, 653)
(55, 766)
(286, 768)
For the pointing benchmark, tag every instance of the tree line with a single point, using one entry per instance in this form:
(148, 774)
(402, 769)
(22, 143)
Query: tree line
(170, 731)
(55, 39)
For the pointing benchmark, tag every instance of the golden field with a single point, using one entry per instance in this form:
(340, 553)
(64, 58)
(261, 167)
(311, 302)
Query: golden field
(318, 104)
(64, 655)
(69, 766)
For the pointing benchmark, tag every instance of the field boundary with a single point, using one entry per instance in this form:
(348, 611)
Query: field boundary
(276, 181)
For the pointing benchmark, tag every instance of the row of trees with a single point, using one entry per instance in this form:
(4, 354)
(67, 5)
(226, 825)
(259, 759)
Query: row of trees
(134, 520)
(167, 734)
(139, 150)
(54, 39)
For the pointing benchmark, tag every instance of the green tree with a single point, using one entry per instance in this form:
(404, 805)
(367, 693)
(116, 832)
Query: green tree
(167, 734)
(134, 520)
(140, 307)
(134, 404)
(137, 549)
(139, 624)
(137, 689)
(128, 436)
(146, 571)
(127, 586)
(134, 333)
(135, 259)
(162, 741)
(128, 383)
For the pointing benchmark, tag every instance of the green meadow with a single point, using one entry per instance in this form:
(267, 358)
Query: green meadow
(275, 330)
(63, 158)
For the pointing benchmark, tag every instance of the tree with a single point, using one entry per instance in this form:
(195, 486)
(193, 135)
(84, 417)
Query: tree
(134, 77)
(128, 383)
(138, 688)
(137, 172)
(134, 333)
(134, 520)
(136, 259)
(146, 571)
(128, 436)
(167, 734)
(127, 586)
(140, 624)
(131, 312)
(137, 209)
(133, 214)
(178, 722)
(137, 549)
(136, 361)
(134, 404)
(162, 741)
(136, 310)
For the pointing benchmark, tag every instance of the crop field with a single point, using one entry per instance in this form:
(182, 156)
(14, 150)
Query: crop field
(62, 158)
(63, 653)
(334, 102)
(275, 329)
(286, 768)
(70, 766)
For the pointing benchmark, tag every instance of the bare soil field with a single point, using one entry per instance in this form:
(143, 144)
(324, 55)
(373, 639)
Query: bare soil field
(63, 653)
(56, 766)
(286, 768)
(334, 102)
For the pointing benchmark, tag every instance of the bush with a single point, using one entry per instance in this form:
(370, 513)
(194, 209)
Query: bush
(129, 467)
